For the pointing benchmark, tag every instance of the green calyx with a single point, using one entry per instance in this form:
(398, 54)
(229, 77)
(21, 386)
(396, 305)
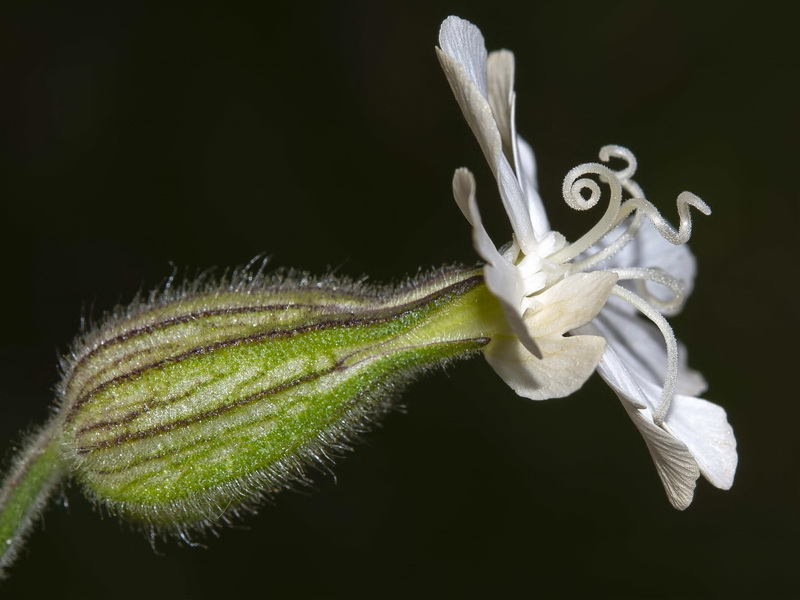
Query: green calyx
(188, 408)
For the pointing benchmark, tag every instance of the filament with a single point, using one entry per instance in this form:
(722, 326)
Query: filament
(614, 247)
(668, 391)
(641, 276)
(684, 201)
(574, 184)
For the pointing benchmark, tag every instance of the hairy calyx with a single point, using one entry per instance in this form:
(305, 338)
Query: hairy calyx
(179, 412)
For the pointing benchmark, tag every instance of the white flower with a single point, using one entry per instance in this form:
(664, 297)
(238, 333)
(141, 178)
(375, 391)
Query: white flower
(549, 288)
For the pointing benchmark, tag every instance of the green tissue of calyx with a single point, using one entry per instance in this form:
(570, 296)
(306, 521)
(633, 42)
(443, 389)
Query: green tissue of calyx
(182, 411)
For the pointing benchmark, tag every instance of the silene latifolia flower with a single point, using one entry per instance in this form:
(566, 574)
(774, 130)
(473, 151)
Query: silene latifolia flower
(187, 408)
(631, 264)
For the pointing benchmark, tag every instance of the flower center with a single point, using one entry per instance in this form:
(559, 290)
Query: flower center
(624, 218)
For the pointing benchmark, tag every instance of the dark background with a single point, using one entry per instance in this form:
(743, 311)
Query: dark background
(138, 136)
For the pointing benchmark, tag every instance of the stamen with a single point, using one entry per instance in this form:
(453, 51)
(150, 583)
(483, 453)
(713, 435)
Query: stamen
(668, 391)
(642, 275)
(626, 236)
(624, 176)
(572, 188)
(574, 184)
(684, 201)
(621, 152)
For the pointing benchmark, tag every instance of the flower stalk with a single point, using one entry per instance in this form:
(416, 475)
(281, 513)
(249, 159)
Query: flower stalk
(26, 488)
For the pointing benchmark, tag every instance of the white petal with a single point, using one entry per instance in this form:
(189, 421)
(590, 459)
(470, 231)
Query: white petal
(675, 465)
(692, 426)
(509, 288)
(566, 364)
(464, 194)
(475, 107)
(503, 279)
(460, 60)
(516, 206)
(463, 41)
(569, 304)
(500, 73)
(703, 427)
(641, 348)
(526, 172)
(518, 152)
(613, 371)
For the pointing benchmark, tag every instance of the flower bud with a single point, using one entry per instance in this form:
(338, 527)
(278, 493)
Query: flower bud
(188, 408)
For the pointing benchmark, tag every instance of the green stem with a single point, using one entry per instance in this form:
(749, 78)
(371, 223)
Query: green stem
(26, 488)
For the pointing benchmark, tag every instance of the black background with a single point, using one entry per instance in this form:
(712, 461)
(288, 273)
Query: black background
(136, 136)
